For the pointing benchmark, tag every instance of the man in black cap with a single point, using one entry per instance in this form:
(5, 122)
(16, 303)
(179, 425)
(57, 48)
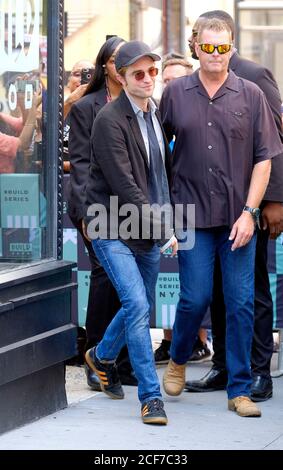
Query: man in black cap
(130, 159)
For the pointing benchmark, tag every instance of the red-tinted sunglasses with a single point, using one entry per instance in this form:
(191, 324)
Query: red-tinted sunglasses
(140, 74)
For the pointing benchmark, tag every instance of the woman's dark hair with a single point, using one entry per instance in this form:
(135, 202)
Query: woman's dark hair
(104, 54)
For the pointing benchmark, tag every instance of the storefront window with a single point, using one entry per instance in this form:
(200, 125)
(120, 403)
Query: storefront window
(24, 175)
(260, 35)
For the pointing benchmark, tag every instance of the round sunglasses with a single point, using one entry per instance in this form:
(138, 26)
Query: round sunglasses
(210, 48)
(140, 74)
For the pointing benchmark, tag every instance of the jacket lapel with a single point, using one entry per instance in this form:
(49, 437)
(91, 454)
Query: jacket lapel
(168, 155)
(100, 100)
(234, 61)
(132, 119)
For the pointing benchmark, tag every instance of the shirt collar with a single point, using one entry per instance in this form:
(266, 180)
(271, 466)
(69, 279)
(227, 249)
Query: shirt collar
(137, 110)
(231, 82)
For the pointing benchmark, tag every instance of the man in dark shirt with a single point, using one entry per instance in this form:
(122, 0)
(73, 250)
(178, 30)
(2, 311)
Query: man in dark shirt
(225, 138)
(272, 224)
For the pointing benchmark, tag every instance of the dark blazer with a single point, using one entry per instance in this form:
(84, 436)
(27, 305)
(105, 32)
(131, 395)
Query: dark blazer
(82, 116)
(264, 79)
(119, 161)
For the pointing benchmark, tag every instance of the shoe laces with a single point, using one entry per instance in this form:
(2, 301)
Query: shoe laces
(155, 405)
(113, 373)
(109, 374)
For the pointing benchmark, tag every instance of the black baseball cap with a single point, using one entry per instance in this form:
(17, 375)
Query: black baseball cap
(132, 51)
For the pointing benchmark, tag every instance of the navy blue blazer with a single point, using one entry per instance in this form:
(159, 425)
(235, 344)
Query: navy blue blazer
(264, 79)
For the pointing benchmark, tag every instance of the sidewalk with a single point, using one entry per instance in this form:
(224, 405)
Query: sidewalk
(196, 421)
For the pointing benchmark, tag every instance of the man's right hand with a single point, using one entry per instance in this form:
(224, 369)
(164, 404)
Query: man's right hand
(242, 231)
(173, 245)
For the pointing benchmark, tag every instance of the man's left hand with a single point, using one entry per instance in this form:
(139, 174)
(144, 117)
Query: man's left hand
(272, 218)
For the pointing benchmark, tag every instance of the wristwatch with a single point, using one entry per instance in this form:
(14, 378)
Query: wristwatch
(255, 212)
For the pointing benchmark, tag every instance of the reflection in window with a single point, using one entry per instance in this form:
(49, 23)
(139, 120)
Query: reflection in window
(23, 100)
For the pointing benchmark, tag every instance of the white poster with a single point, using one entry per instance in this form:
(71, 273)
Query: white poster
(19, 35)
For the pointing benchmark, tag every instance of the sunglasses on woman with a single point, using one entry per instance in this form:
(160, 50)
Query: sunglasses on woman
(210, 48)
(140, 74)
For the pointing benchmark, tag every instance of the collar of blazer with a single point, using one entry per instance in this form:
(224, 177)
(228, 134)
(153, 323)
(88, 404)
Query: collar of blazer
(126, 109)
(234, 61)
(100, 98)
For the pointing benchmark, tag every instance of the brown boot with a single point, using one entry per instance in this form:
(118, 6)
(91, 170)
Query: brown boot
(244, 407)
(174, 378)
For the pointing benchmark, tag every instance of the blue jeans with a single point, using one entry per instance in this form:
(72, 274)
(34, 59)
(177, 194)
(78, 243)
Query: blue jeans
(134, 277)
(196, 268)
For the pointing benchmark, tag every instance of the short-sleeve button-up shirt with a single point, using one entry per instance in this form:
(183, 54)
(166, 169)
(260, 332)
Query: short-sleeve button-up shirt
(218, 142)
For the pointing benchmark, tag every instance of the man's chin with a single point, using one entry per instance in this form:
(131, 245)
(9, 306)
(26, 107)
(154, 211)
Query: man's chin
(148, 92)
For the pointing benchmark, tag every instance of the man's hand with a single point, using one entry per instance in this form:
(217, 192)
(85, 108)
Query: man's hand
(173, 245)
(84, 229)
(242, 230)
(272, 218)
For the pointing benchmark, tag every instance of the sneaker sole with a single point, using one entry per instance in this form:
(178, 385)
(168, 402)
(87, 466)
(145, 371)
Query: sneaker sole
(198, 361)
(107, 392)
(160, 421)
(258, 399)
(94, 387)
(204, 390)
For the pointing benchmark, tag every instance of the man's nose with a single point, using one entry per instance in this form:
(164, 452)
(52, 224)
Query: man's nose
(147, 77)
(215, 52)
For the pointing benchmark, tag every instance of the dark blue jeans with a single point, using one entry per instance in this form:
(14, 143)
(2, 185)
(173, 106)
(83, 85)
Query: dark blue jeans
(134, 277)
(196, 268)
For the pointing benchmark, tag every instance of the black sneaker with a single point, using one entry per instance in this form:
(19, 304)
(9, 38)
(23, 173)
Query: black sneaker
(153, 412)
(201, 352)
(162, 354)
(92, 379)
(107, 374)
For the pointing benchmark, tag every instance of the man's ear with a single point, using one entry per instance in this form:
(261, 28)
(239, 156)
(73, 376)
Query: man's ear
(121, 79)
(196, 49)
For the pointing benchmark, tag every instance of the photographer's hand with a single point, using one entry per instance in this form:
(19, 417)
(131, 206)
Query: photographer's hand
(73, 97)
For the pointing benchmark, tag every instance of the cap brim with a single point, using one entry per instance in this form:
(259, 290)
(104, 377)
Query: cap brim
(149, 54)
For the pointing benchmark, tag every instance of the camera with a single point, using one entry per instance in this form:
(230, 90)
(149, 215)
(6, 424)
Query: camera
(86, 75)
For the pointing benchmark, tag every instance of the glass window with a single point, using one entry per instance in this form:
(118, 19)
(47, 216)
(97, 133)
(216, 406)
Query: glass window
(23, 125)
(261, 38)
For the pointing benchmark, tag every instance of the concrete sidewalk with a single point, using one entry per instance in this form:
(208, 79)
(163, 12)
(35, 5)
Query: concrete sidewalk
(196, 421)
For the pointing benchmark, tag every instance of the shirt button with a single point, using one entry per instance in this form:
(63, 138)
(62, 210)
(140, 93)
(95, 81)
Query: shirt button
(210, 102)
(212, 192)
(209, 147)
(210, 170)
(209, 124)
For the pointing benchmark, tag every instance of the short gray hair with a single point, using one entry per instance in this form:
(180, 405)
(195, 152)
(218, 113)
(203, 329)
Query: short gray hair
(213, 24)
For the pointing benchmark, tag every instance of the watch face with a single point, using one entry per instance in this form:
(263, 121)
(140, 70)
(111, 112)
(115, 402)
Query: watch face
(256, 212)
